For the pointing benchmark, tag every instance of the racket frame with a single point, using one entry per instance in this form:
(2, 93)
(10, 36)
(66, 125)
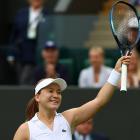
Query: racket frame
(127, 52)
(113, 29)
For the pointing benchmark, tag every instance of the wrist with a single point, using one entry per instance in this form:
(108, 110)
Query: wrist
(117, 69)
(114, 77)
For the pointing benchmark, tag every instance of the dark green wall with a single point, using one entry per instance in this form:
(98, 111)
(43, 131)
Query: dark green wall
(120, 119)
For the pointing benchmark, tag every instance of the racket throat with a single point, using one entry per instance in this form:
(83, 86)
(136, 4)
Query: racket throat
(125, 52)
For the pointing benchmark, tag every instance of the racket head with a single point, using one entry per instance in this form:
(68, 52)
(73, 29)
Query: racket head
(125, 26)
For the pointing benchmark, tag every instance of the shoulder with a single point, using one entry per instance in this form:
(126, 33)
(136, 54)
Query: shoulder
(21, 14)
(86, 70)
(24, 127)
(23, 11)
(69, 115)
(22, 132)
(107, 69)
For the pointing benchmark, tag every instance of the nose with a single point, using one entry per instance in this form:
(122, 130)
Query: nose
(55, 94)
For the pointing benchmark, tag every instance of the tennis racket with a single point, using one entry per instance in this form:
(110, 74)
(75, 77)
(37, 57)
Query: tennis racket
(125, 28)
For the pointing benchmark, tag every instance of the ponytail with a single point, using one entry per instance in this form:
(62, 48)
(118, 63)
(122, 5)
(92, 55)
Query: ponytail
(32, 108)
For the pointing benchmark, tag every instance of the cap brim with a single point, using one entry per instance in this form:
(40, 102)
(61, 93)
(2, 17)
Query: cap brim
(46, 82)
(62, 83)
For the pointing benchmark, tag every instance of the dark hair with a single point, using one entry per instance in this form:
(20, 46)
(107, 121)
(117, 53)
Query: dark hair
(32, 108)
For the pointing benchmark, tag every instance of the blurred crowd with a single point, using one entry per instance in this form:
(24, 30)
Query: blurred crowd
(86, 131)
(19, 67)
(135, 2)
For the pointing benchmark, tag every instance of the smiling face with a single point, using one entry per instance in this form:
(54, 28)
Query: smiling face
(49, 97)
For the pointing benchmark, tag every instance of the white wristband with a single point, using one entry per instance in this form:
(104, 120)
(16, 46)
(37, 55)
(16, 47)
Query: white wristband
(114, 78)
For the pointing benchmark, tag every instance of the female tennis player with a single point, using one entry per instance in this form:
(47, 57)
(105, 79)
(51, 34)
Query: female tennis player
(44, 123)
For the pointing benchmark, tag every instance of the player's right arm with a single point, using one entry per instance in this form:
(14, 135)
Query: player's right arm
(83, 113)
(22, 133)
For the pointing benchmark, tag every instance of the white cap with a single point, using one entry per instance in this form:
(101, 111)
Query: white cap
(133, 23)
(44, 83)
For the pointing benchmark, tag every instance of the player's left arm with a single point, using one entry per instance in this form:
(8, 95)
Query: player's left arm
(83, 113)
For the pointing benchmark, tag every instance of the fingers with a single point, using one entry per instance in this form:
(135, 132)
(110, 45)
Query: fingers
(125, 60)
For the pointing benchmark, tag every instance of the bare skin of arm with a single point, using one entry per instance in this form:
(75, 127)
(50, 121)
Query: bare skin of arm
(22, 133)
(78, 115)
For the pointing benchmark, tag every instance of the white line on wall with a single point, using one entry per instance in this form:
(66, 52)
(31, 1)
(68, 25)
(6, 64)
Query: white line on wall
(62, 5)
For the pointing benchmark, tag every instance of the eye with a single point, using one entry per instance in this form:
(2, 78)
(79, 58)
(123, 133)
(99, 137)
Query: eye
(50, 90)
(59, 92)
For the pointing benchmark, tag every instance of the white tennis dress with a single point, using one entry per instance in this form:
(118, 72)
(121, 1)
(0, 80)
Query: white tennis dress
(39, 131)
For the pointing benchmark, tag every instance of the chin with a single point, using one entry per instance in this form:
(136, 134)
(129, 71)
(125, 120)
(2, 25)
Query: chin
(54, 107)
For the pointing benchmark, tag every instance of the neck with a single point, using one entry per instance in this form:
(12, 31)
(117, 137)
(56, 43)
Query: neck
(52, 62)
(46, 115)
(36, 7)
(97, 69)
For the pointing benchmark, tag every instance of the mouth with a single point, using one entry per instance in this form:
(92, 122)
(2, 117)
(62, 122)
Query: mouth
(54, 102)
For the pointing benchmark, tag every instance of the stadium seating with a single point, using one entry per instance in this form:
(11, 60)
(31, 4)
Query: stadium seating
(76, 59)
(80, 59)
(69, 64)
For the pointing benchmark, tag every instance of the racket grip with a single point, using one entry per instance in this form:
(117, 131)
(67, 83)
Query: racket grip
(124, 79)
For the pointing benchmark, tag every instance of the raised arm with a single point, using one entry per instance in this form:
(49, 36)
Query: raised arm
(83, 113)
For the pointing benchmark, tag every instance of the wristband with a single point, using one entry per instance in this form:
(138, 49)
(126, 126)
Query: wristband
(114, 78)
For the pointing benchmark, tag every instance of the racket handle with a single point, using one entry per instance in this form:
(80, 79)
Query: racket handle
(124, 79)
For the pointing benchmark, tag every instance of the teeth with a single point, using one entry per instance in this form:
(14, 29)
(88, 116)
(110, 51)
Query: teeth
(55, 101)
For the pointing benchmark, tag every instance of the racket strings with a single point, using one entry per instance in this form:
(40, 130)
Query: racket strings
(125, 24)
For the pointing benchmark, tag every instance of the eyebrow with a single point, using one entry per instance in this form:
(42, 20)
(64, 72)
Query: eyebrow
(53, 88)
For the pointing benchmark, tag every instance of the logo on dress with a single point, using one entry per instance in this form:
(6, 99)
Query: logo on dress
(63, 130)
